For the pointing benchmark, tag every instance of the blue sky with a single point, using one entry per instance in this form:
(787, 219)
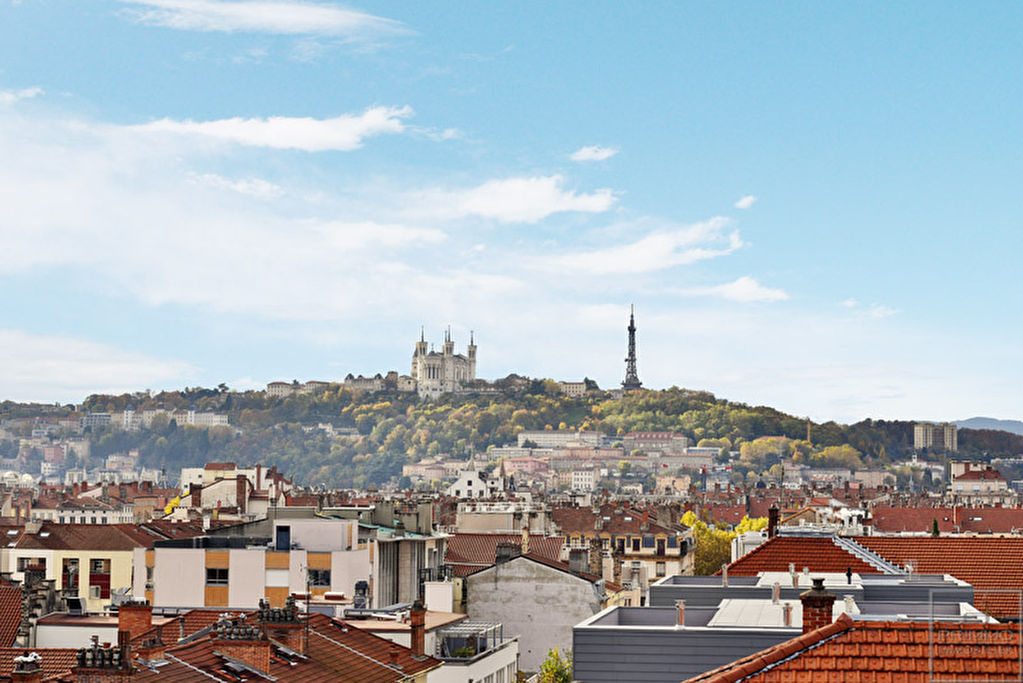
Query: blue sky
(813, 206)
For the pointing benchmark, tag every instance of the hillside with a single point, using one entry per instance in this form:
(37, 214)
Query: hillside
(393, 428)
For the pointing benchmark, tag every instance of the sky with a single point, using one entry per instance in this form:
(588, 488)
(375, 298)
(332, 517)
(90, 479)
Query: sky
(812, 206)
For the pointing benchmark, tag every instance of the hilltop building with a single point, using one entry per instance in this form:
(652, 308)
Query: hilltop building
(936, 437)
(442, 372)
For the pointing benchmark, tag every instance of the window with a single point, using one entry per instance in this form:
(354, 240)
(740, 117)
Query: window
(319, 578)
(99, 566)
(661, 569)
(635, 545)
(216, 577)
(26, 562)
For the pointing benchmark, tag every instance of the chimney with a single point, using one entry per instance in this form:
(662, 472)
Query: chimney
(135, 617)
(506, 551)
(525, 539)
(102, 662)
(152, 649)
(680, 613)
(577, 560)
(775, 592)
(793, 575)
(236, 639)
(786, 614)
(596, 556)
(417, 622)
(241, 493)
(393, 654)
(817, 606)
(27, 668)
(616, 568)
(724, 575)
(283, 624)
(773, 515)
(195, 494)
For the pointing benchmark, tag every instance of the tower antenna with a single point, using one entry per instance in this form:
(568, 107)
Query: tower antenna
(631, 381)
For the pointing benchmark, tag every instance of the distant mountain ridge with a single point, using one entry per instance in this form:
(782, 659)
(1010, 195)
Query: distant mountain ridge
(1012, 426)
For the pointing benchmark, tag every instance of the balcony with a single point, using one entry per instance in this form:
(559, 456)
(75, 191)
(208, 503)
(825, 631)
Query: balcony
(469, 641)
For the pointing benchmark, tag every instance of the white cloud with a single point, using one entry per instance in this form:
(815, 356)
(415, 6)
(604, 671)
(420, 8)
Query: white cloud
(515, 200)
(254, 187)
(341, 133)
(656, 251)
(9, 97)
(745, 289)
(56, 368)
(746, 202)
(593, 153)
(262, 16)
(880, 311)
(850, 303)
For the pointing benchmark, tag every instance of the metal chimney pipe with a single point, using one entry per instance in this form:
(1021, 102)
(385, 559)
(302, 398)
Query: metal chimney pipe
(724, 575)
(775, 593)
(680, 608)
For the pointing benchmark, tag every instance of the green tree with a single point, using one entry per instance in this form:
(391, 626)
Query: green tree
(555, 668)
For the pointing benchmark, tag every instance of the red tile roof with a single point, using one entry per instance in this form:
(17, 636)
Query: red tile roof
(335, 653)
(882, 652)
(981, 520)
(980, 474)
(612, 519)
(989, 564)
(10, 613)
(55, 661)
(819, 554)
(467, 553)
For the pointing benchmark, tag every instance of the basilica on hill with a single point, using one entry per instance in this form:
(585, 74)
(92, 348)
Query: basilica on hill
(442, 372)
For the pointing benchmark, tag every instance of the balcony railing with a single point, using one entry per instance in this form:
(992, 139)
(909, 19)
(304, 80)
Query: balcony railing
(469, 640)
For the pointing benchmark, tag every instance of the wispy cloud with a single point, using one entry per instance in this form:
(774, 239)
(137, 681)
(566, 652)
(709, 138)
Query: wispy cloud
(593, 153)
(874, 310)
(254, 187)
(8, 97)
(658, 250)
(881, 311)
(745, 289)
(46, 368)
(746, 202)
(262, 16)
(515, 200)
(341, 133)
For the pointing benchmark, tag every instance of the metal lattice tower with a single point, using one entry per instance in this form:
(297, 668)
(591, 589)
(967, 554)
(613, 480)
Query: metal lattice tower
(631, 378)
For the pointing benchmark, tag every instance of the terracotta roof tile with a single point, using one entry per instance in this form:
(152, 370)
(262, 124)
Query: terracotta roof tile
(874, 651)
(989, 564)
(816, 553)
(467, 553)
(982, 520)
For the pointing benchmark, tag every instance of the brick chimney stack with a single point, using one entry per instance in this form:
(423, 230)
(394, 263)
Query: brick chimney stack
(417, 622)
(817, 606)
(27, 668)
(596, 555)
(773, 515)
(135, 617)
(245, 642)
(525, 539)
